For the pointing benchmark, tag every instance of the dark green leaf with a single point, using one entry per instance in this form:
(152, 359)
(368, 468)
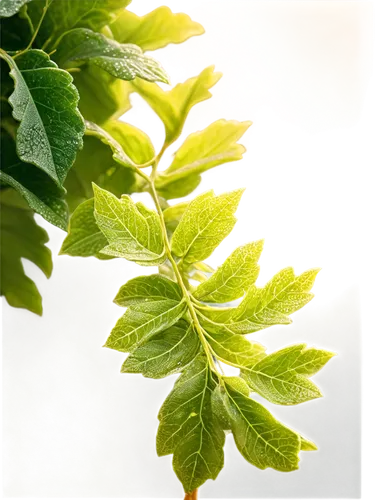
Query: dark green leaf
(10, 7)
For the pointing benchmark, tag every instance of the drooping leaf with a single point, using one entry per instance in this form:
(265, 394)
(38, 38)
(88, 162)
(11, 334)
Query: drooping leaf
(101, 95)
(45, 102)
(235, 349)
(166, 353)
(36, 187)
(84, 238)
(189, 429)
(284, 294)
(136, 144)
(21, 237)
(234, 277)
(132, 230)
(10, 7)
(282, 377)
(65, 15)
(141, 321)
(201, 151)
(154, 30)
(152, 288)
(260, 438)
(173, 106)
(203, 226)
(124, 61)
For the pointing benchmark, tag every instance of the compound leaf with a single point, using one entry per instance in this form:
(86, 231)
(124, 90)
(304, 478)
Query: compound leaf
(260, 438)
(141, 321)
(173, 106)
(45, 102)
(201, 151)
(166, 353)
(233, 278)
(282, 377)
(205, 223)
(189, 429)
(152, 288)
(154, 30)
(124, 61)
(21, 237)
(132, 230)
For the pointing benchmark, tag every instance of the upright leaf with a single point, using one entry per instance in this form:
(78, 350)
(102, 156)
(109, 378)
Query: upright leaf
(65, 15)
(173, 106)
(21, 237)
(154, 30)
(132, 230)
(220, 143)
(188, 427)
(45, 102)
(141, 321)
(260, 438)
(284, 294)
(282, 377)
(166, 353)
(234, 277)
(203, 226)
(35, 186)
(124, 61)
(152, 288)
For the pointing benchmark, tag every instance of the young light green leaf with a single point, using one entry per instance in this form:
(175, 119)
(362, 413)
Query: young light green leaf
(132, 230)
(21, 237)
(10, 7)
(45, 102)
(201, 151)
(141, 321)
(65, 15)
(173, 106)
(124, 61)
(152, 288)
(172, 215)
(101, 95)
(282, 377)
(154, 30)
(84, 237)
(205, 223)
(235, 349)
(307, 445)
(234, 277)
(179, 188)
(260, 438)
(284, 294)
(134, 142)
(94, 163)
(166, 353)
(189, 429)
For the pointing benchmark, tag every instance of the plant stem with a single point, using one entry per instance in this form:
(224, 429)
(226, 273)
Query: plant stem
(192, 495)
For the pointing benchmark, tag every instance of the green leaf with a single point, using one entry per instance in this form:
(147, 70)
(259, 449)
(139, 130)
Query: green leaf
(15, 34)
(65, 15)
(234, 349)
(284, 294)
(124, 61)
(282, 377)
(95, 163)
(234, 277)
(152, 288)
(102, 96)
(134, 142)
(205, 223)
(189, 429)
(141, 321)
(132, 230)
(10, 7)
(166, 353)
(172, 215)
(36, 187)
(260, 438)
(173, 106)
(307, 445)
(179, 188)
(201, 151)
(84, 238)
(154, 30)
(21, 237)
(45, 102)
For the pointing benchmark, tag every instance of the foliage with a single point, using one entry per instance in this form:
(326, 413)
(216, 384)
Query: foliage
(188, 318)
